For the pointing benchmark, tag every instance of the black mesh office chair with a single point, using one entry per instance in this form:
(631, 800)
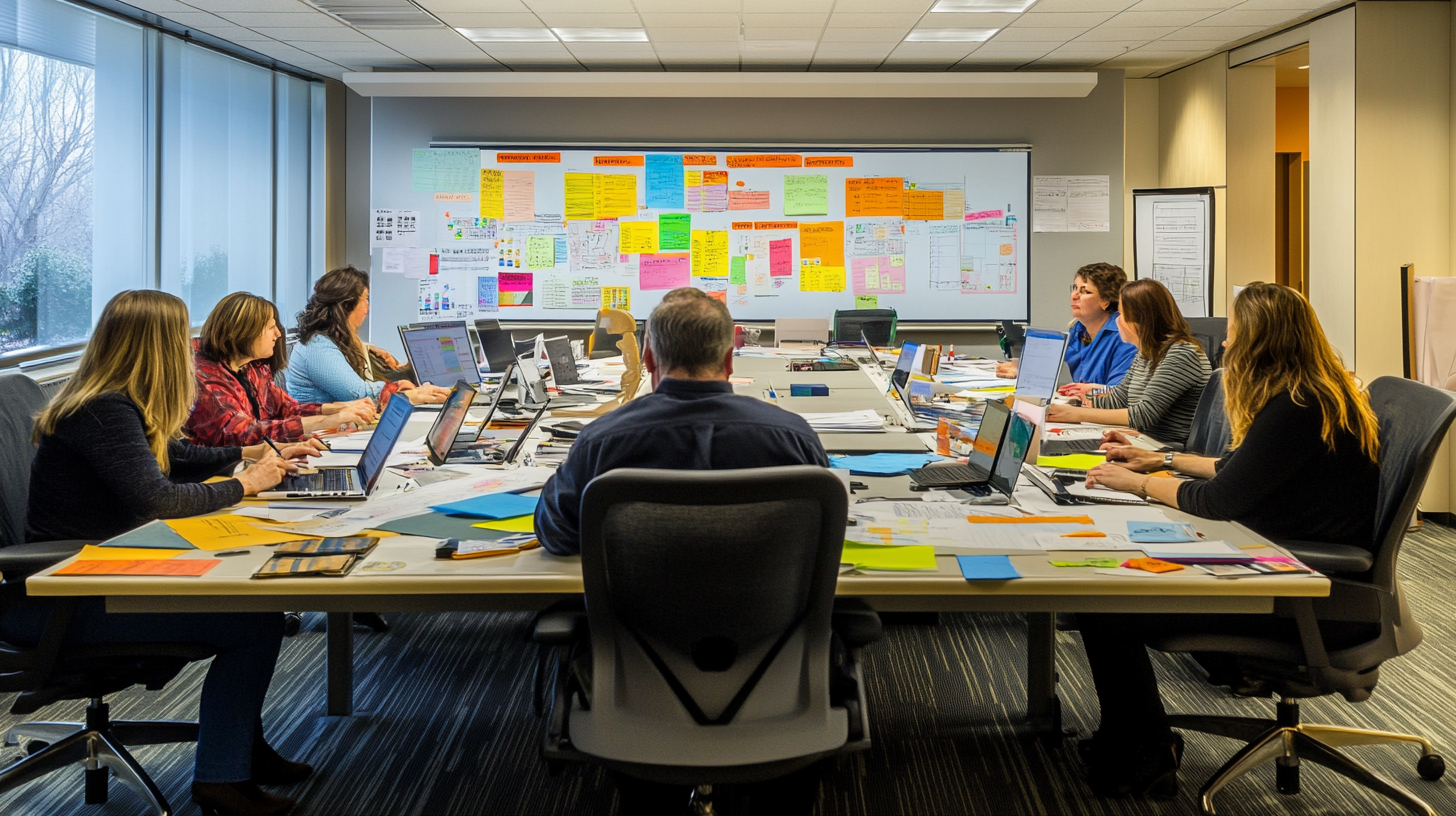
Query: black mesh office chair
(1210, 332)
(710, 598)
(52, 671)
(876, 325)
(1365, 590)
(1211, 434)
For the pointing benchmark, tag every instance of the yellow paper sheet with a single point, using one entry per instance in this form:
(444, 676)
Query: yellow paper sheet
(519, 524)
(710, 253)
(92, 552)
(1071, 461)
(895, 557)
(226, 532)
(637, 237)
(492, 194)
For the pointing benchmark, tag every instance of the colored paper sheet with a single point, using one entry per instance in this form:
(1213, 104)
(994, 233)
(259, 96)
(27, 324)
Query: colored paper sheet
(580, 196)
(663, 271)
(883, 464)
(446, 170)
(540, 252)
(422, 169)
(615, 195)
(715, 190)
(93, 552)
(185, 567)
(617, 297)
(924, 205)
(673, 232)
(518, 194)
(806, 194)
(867, 302)
(738, 270)
(492, 194)
(664, 173)
(987, 567)
(1160, 532)
(152, 535)
(519, 524)
(888, 557)
(561, 253)
(781, 258)
(822, 241)
(877, 276)
(748, 200)
(515, 288)
(693, 190)
(710, 253)
(226, 532)
(815, 277)
(490, 506)
(1071, 461)
(487, 293)
(637, 237)
(865, 197)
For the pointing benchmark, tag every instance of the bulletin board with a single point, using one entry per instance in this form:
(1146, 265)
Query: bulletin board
(543, 232)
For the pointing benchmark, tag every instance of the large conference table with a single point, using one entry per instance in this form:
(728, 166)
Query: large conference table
(533, 580)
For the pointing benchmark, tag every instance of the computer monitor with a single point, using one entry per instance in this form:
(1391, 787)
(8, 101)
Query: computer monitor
(988, 436)
(1041, 361)
(908, 353)
(441, 354)
(496, 345)
(1012, 454)
(447, 425)
(382, 441)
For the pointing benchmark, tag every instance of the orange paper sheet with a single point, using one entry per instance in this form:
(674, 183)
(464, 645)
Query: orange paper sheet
(93, 552)
(823, 240)
(1029, 520)
(874, 196)
(226, 532)
(187, 567)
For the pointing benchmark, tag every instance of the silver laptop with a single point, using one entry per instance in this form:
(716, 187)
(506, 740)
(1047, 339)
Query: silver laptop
(801, 330)
(350, 481)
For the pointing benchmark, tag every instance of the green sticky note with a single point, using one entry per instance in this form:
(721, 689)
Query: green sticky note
(1100, 563)
(674, 232)
(738, 269)
(806, 194)
(889, 557)
(866, 301)
(1071, 461)
(540, 252)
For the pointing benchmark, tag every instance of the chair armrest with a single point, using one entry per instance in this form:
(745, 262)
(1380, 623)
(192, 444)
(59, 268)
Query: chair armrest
(561, 627)
(1331, 557)
(855, 622)
(20, 560)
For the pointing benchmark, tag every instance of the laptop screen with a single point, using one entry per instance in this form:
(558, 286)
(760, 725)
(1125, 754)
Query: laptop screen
(1013, 452)
(441, 354)
(496, 344)
(988, 436)
(1041, 359)
(525, 432)
(381, 444)
(563, 362)
(447, 425)
(904, 363)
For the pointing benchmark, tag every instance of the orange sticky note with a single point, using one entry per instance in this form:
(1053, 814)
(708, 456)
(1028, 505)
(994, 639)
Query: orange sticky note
(1084, 534)
(1029, 520)
(188, 567)
(1151, 565)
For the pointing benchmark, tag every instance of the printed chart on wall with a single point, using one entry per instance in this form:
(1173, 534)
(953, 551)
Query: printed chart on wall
(548, 233)
(1173, 236)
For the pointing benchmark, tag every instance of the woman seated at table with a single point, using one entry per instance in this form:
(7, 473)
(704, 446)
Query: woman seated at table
(1160, 392)
(109, 460)
(330, 363)
(1303, 465)
(238, 401)
(1097, 354)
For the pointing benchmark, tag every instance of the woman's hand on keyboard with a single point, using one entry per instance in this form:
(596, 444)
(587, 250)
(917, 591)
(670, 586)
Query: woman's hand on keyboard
(263, 474)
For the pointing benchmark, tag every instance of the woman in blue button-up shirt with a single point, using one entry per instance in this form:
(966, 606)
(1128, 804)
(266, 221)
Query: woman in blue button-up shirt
(1097, 355)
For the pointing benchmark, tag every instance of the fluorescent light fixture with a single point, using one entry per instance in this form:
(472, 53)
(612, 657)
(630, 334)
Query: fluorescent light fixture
(601, 34)
(1011, 6)
(507, 35)
(951, 35)
(1304, 67)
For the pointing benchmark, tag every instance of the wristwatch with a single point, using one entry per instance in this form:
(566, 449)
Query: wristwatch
(1168, 460)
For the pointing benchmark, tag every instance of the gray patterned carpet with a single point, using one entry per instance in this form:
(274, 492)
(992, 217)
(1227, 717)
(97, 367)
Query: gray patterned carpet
(446, 728)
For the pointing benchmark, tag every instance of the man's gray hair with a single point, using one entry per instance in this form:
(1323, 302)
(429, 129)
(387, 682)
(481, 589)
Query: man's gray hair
(690, 331)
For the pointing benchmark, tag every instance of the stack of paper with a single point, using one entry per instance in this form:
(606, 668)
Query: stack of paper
(863, 421)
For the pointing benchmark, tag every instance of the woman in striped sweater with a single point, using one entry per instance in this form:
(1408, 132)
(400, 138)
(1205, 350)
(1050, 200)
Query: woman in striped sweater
(1161, 391)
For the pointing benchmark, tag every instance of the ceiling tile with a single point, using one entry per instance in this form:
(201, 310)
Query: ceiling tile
(787, 6)
(505, 52)
(714, 50)
(581, 6)
(801, 20)
(883, 6)
(483, 64)
(901, 21)
(854, 50)
(338, 33)
(263, 19)
(761, 33)
(667, 35)
(555, 19)
(235, 33)
(1015, 49)
(1161, 18)
(1297, 6)
(1112, 48)
(475, 6)
(1045, 6)
(251, 5)
(1061, 19)
(430, 38)
(1240, 17)
(477, 19)
(1109, 32)
(197, 19)
(689, 20)
(1175, 5)
(960, 20)
(694, 6)
(1185, 45)
(1038, 34)
(163, 7)
(863, 35)
(932, 51)
(1226, 33)
(620, 50)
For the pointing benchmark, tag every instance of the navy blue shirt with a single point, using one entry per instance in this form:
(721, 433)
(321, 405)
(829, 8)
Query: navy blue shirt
(1105, 359)
(683, 425)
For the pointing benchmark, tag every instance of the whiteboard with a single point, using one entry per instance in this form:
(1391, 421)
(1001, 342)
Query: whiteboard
(552, 233)
(1173, 239)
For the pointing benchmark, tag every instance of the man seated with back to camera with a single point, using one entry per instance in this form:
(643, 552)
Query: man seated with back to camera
(692, 420)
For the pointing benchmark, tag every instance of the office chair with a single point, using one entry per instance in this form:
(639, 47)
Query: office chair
(1211, 434)
(1365, 588)
(1210, 332)
(709, 604)
(52, 671)
(608, 331)
(878, 326)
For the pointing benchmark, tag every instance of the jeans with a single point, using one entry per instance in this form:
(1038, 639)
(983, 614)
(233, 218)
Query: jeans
(247, 646)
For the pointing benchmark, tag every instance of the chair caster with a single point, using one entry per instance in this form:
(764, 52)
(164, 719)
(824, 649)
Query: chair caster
(292, 623)
(1431, 767)
(33, 747)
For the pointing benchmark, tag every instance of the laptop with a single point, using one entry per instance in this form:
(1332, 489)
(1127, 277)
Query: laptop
(1041, 364)
(441, 353)
(904, 363)
(801, 330)
(350, 481)
(438, 449)
(873, 356)
(981, 460)
(533, 388)
(448, 435)
(497, 349)
(563, 362)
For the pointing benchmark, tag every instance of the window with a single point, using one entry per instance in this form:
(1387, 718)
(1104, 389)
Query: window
(212, 185)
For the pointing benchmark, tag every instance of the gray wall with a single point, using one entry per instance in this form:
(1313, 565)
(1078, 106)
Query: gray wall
(1067, 136)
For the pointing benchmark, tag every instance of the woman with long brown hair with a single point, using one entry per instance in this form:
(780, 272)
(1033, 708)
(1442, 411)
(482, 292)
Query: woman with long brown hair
(1304, 464)
(1160, 393)
(330, 363)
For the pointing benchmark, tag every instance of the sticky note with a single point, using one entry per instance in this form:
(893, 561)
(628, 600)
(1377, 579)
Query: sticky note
(637, 237)
(492, 194)
(519, 524)
(806, 194)
(987, 567)
(491, 506)
(889, 557)
(664, 173)
(663, 271)
(738, 269)
(540, 252)
(1160, 532)
(710, 253)
(673, 231)
(1071, 461)
(93, 552)
(866, 301)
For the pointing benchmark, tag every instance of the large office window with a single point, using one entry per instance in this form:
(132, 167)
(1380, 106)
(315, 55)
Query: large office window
(132, 159)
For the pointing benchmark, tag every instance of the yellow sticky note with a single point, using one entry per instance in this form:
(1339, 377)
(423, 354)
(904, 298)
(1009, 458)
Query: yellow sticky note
(894, 557)
(492, 194)
(92, 552)
(519, 524)
(1071, 461)
(617, 297)
(710, 253)
(637, 237)
(580, 196)
(225, 532)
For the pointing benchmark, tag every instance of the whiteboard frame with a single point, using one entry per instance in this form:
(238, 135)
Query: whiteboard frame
(778, 146)
(1203, 194)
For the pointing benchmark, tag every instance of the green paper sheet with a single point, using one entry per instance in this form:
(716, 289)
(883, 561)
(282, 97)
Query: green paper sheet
(889, 557)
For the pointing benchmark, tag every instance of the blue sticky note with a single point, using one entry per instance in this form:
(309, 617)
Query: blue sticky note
(487, 298)
(987, 567)
(491, 506)
(883, 464)
(1160, 532)
(664, 173)
(154, 535)
(560, 247)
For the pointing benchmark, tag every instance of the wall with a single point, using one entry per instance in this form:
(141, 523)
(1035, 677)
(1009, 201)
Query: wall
(1251, 189)
(1291, 121)
(1068, 136)
(1193, 146)
(1332, 178)
(1139, 153)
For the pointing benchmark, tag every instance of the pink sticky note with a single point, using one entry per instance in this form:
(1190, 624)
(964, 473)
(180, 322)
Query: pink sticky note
(664, 271)
(781, 258)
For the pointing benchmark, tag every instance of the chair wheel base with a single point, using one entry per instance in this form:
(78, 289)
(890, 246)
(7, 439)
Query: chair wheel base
(1431, 767)
(96, 784)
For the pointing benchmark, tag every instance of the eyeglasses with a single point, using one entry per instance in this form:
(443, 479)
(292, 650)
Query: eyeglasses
(1080, 291)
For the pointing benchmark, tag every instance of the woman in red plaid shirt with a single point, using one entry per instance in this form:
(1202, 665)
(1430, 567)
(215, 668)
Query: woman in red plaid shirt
(238, 402)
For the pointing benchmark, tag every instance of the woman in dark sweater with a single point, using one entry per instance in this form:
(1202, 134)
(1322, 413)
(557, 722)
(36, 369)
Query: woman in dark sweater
(1303, 465)
(109, 460)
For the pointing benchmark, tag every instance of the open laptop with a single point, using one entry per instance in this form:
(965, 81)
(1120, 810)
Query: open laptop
(904, 363)
(350, 481)
(438, 446)
(870, 346)
(981, 460)
(497, 349)
(1041, 364)
(441, 353)
(793, 330)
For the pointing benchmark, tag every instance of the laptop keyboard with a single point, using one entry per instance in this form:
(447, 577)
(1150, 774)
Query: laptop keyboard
(333, 480)
(1054, 447)
(948, 475)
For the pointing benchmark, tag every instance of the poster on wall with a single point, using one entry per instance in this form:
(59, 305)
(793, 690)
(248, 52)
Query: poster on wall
(1173, 241)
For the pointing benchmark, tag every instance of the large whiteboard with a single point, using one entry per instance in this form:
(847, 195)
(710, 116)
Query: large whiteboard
(555, 232)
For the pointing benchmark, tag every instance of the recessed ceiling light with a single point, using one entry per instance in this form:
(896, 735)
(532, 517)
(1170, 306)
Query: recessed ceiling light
(951, 35)
(601, 34)
(499, 35)
(1304, 67)
(1012, 6)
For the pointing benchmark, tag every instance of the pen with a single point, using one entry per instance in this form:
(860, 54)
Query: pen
(274, 447)
(771, 393)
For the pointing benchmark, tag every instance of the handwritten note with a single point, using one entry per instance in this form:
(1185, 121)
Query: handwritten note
(822, 241)
(924, 205)
(814, 277)
(581, 196)
(715, 190)
(877, 276)
(637, 237)
(738, 270)
(873, 196)
(664, 173)
(446, 169)
(781, 258)
(710, 253)
(492, 194)
(615, 195)
(673, 231)
(540, 252)
(693, 190)
(616, 297)
(518, 195)
(748, 200)
(663, 271)
(867, 301)
(487, 297)
(806, 194)
(515, 288)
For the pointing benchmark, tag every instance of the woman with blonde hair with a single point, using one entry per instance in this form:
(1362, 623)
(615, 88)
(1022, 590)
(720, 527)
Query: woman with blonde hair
(109, 443)
(1304, 464)
(330, 363)
(238, 401)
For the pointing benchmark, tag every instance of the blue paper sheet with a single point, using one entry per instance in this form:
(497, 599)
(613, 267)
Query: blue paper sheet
(987, 567)
(154, 535)
(1160, 532)
(491, 506)
(883, 464)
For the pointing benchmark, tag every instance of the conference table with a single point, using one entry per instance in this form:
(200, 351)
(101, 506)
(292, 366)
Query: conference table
(402, 574)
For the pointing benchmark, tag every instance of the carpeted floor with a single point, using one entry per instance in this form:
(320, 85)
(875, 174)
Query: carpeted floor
(445, 725)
